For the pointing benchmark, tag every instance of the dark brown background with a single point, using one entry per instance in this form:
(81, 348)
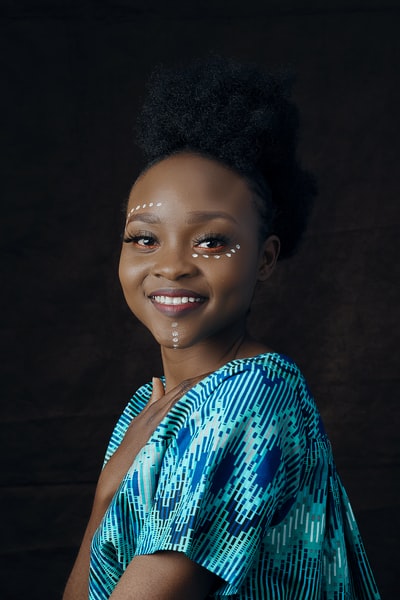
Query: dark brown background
(73, 355)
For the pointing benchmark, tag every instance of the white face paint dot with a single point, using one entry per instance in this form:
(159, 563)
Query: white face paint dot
(205, 256)
(144, 205)
(175, 334)
(151, 204)
(137, 208)
(238, 246)
(217, 256)
(195, 255)
(228, 254)
(158, 203)
(233, 250)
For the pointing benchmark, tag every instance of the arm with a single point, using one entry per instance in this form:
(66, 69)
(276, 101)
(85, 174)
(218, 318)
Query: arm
(109, 480)
(78, 582)
(135, 438)
(164, 576)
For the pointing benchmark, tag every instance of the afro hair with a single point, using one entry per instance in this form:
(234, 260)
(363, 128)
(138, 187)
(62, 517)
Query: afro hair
(242, 117)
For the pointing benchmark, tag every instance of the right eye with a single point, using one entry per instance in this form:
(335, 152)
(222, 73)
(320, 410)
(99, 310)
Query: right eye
(141, 240)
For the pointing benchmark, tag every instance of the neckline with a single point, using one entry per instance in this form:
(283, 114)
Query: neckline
(234, 361)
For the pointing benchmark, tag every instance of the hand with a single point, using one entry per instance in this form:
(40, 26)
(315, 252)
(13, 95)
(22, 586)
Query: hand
(138, 433)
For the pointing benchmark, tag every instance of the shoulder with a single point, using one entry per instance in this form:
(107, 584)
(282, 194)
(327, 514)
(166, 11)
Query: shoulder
(258, 376)
(271, 366)
(257, 387)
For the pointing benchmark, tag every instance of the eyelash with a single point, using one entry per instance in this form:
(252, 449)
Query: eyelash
(142, 235)
(222, 241)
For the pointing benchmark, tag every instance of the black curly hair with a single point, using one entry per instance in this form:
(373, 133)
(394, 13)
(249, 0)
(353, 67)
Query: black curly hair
(243, 117)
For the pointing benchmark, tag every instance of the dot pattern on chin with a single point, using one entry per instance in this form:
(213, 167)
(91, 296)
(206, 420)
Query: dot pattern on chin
(229, 254)
(175, 334)
(141, 206)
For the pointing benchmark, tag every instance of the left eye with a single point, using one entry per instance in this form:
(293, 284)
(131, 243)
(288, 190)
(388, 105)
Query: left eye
(212, 243)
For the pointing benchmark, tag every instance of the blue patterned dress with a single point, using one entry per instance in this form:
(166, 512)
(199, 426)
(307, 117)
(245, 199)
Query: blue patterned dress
(240, 477)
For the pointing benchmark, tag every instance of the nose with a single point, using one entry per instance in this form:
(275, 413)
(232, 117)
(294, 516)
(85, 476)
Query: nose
(174, 263)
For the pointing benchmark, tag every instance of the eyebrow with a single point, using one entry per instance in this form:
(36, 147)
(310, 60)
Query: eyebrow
(145, 217)
(199, 216)
(196, 216)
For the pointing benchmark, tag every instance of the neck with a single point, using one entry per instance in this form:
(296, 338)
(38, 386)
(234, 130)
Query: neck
(203, 358)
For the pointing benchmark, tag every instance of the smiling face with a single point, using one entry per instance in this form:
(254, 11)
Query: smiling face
(191, 254)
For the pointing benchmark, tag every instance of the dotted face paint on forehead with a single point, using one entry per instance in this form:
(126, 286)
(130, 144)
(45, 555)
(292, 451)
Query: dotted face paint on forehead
(135, 208)
(218, 256)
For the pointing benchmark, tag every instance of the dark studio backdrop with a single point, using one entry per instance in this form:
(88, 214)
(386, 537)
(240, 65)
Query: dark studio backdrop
(74, 76)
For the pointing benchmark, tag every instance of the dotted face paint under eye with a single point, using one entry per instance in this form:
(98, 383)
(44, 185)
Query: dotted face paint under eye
(229, 254)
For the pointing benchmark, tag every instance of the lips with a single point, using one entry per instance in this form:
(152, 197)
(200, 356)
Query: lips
(172, 302)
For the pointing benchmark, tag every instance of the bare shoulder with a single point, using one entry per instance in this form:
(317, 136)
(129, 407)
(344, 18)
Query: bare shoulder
(251, 347)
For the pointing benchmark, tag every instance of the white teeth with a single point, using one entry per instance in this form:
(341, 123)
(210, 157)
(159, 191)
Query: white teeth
(174, 300)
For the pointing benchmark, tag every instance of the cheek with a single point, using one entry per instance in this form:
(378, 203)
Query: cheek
(123, 270)
(129, 273)
(237, 273)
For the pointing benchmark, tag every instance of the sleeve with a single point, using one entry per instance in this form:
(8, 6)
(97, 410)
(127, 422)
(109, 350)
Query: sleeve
(228, 473)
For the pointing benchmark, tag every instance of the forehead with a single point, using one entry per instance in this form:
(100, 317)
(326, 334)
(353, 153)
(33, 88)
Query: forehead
(194, 182)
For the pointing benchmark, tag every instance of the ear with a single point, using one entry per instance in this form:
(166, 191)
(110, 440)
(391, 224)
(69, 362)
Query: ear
(269, 253)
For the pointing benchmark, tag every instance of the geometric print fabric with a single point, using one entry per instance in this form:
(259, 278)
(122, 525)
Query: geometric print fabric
(240, 477)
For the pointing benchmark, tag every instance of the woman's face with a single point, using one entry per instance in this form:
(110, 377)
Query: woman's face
(191, 254)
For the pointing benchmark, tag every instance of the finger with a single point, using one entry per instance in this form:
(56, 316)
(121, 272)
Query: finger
(158, 390)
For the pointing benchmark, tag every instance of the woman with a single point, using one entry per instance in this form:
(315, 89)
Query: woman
(218, 480)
